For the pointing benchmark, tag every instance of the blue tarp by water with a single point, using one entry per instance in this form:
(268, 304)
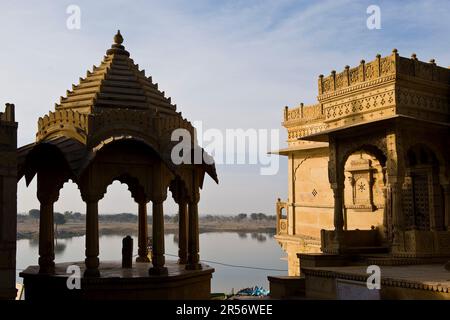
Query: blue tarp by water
(255, 291)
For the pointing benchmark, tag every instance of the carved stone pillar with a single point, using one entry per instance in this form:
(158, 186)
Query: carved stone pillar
(183, 232)
(46, 234)
(193, 243)
(159, 195)
(396, 176)
(397, 218)
(47, 196)
(158, 259)
(142, 232)
(447, 206)
(336, 179)
(338, 195)
(387, 223)
(92, 246)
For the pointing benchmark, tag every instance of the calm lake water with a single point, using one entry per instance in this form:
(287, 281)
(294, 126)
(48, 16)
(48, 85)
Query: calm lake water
(258, 250)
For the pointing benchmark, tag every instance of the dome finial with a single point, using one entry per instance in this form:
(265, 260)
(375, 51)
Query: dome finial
(118, 39)
(117, 47)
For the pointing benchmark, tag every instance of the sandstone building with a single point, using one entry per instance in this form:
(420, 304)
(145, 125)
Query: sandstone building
(369, 163)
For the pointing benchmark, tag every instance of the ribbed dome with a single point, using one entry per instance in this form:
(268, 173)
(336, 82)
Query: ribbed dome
(116, 83)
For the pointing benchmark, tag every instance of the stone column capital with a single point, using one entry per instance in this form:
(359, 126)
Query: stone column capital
(48, 197)
(90, 197)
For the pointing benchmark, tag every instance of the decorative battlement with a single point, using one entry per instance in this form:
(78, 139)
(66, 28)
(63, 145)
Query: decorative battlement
(94, 127)
(379, 89)
(303, 120)
(63, 121)
(303, 113)
(389, 66)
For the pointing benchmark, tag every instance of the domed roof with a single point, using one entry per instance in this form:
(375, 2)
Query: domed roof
(114, 102)
(116, 83)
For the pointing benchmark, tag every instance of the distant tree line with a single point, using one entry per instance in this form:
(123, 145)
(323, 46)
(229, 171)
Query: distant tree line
(70, 216)
(239, 217)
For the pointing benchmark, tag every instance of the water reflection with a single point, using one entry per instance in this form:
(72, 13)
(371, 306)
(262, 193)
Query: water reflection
(257, 250)
(242, 235)
(60, 248)
(33, 242)
(175, 238)
(260, 237)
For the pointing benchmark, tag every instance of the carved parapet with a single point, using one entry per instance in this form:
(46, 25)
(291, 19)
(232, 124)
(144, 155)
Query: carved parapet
(381, 69)
(140, 120)
(357, 76)
(303, 120)
(423, 70)
(72, 123)
(294, 133)
(115, 124)
(303, 113)
(169, 123)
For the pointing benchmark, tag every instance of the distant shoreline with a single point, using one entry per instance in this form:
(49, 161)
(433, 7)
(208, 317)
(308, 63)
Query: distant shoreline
(29, 229)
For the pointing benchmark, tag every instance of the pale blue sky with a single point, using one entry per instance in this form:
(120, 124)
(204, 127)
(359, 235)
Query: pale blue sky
(231, 64)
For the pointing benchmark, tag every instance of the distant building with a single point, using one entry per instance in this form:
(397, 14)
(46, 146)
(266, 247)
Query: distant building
(369, 163)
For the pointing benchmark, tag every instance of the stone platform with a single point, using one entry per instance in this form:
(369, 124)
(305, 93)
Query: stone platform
(425, 281)
(118, 283)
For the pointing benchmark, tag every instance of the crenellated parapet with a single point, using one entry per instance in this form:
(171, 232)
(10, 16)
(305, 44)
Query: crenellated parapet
(380, 70)
(69, 122)
(92, 129)
(354, 78)
(303, 113)
(303, 120)
(385, 87)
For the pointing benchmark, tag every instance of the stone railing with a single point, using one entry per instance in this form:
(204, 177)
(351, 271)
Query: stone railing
(423, 70)
(303, 113)
(381, 67)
